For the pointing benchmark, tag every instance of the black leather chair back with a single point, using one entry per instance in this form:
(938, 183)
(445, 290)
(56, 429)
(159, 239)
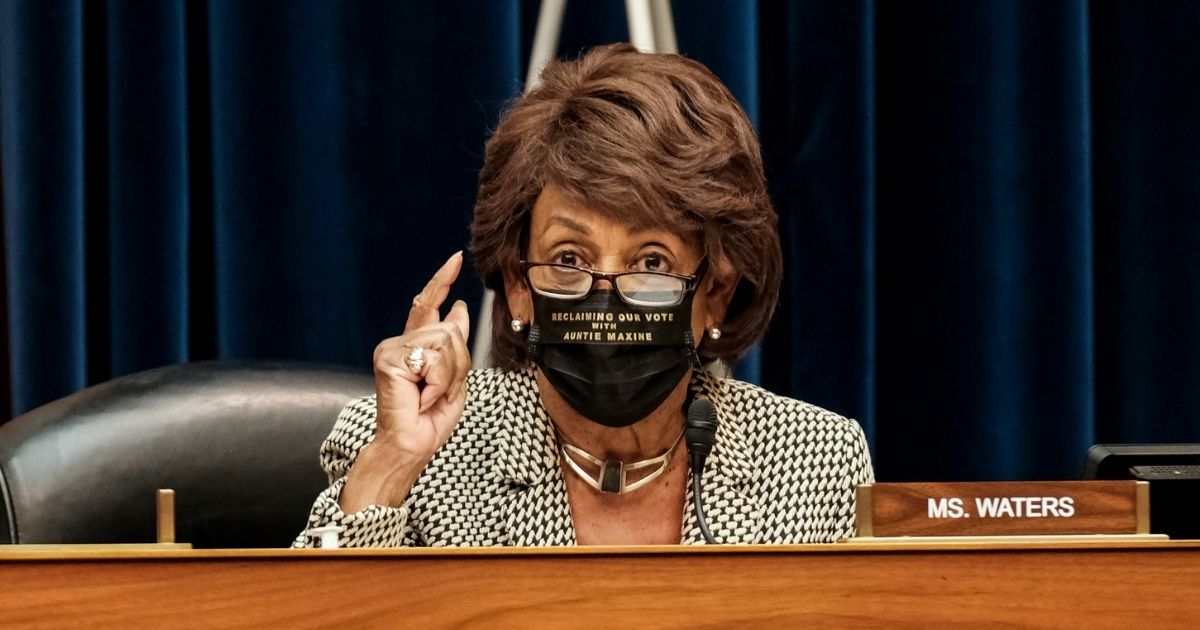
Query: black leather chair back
(237, 441)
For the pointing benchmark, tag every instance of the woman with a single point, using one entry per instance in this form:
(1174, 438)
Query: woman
(624, 224)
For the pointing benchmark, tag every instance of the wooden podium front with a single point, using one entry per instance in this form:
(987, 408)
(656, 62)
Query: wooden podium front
(1036, 584)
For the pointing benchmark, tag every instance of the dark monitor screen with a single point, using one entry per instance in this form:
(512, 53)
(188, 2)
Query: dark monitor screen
(1113, 461)
(1173, 471)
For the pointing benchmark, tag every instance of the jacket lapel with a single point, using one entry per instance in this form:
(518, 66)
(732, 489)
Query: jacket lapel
(534, 509)
(733, 514)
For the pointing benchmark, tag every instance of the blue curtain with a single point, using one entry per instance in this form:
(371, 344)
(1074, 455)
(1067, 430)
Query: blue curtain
(990, 210)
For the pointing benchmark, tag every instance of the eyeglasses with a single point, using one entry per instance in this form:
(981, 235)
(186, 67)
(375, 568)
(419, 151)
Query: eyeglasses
(640, 288)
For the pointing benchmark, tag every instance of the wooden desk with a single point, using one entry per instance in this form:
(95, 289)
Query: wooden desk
(1154, 584)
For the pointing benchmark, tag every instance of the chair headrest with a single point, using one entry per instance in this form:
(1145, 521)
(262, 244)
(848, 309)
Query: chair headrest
(237, 441)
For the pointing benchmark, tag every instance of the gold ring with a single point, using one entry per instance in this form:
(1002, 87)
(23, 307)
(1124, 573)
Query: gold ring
(415, 359)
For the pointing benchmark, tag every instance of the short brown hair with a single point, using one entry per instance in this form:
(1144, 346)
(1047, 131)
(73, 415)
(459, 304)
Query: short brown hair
(653, 140)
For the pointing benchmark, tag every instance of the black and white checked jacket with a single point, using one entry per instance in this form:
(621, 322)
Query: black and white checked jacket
(782, 471)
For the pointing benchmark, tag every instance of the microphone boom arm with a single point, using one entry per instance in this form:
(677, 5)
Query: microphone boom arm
(700, 433)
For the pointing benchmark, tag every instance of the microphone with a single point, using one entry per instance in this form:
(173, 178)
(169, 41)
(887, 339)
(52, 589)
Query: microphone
(700, 433)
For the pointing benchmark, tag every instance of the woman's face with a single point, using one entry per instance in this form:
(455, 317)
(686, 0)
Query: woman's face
(562, 231)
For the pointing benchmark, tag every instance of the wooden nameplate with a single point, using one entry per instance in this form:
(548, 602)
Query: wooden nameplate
(1003, 508)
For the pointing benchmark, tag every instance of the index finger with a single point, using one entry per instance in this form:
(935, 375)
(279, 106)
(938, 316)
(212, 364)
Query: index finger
(425, 306)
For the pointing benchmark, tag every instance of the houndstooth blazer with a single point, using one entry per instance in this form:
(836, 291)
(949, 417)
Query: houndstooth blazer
(782, 471)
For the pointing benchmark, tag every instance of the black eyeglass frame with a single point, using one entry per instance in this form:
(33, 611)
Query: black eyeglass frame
(689, 281)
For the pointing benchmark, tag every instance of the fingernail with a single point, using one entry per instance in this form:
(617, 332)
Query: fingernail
(458, 303)
(457, 254)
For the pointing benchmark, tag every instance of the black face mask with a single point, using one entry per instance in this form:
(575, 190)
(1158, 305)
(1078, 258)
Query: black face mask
(611, 361)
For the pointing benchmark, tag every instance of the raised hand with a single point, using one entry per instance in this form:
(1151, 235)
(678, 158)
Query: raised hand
(421, 390)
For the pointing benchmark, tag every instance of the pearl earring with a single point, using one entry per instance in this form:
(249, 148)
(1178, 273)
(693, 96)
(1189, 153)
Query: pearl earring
(714, 333)
(517, 324)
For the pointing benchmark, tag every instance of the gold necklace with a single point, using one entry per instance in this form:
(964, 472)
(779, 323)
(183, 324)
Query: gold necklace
(613, 472)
